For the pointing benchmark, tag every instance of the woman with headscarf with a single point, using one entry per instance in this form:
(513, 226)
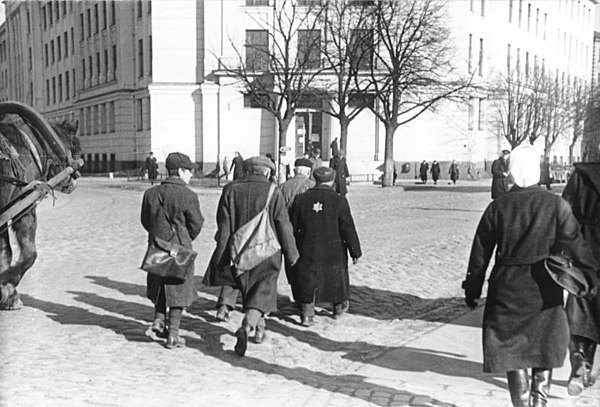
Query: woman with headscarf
(524, 323)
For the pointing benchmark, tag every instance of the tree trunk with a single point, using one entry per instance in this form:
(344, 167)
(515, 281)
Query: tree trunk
(388, 167)
(281, 168)
(344, 124)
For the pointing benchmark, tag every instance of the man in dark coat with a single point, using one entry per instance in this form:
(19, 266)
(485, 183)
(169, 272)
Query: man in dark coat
(325, 234)
(435, 171)
(241, 201)
(453, 171)
(173, 198)
(583, 193)
(423, 168)
(151, 167)
(237, 166)
(338, 163)
(524, 323)
(500, 175)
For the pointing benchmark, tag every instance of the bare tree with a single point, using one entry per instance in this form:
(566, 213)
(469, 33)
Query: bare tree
(277, 67)
(558, 113)
(411, 70)
(581, 108)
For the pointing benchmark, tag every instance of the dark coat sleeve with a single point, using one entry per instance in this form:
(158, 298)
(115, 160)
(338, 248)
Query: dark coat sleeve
(193, 216)
(481, 252)
(283, 228)
(498, 169)
(348, 230)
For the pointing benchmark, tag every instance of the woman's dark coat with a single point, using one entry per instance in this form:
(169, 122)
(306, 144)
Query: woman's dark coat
(583, 194)
(241, 201)
(341, 173)
(183, 208)
(423, 171)
(499, 181)
(524, 323)
(325, 234)
(237, 167)
(454, 172)
(435, 171)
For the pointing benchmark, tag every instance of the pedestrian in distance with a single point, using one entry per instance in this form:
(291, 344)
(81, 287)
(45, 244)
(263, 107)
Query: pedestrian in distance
(325, 234)
(423, 169)
(453, 171)
(299, 183)
(171, 211)
(524, 323)
(240, 202)
(435, 171)
(237, 166)
(334, 147)
(338, 164)
(316, 160)
(583, 194)
(500, 175)
(226, 166)
(151, 167)
(545, 178)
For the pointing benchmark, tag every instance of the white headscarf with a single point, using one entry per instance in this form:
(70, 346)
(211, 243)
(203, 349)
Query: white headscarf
(525, 166)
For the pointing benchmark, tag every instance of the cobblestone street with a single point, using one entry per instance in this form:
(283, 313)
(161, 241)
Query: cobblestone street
(83, 338)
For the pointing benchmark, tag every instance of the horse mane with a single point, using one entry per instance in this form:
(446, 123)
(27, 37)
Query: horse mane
(67, 131)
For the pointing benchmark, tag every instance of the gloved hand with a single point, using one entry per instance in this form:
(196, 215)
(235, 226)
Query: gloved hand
(471, 302)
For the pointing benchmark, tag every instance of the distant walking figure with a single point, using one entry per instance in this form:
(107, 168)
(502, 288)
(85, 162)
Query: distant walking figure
(334, 147)
(226, 167)
(237, 166)
(151, 167)
(435, 171)
(500, 175)
(338, 163)
(423, 171)
(453, 171)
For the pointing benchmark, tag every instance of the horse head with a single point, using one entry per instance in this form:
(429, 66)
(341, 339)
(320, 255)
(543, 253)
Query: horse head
(59, 142)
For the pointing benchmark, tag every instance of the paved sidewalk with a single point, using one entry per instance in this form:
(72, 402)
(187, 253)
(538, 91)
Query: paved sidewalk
(83, 338)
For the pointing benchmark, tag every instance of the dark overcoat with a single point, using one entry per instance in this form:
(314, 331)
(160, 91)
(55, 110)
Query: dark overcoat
(583, 194)
(499, 181)
(423, 168)
(435, 171)
(241, 201)
(325, 234)
(183, 208)
(237, 167)
(524, 323)
(151, 167)
(341, 173)
(453, 171)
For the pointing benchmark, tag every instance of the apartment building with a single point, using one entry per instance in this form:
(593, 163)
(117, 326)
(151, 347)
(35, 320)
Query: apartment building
(145, 75)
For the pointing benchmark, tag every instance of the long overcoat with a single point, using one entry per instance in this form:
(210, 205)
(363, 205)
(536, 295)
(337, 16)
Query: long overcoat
(183, 208)
(435, 171)
(423, 168)
(341, 173)
(241, 201)
(583, 194)
(325, 234)
(500, 182)
(524, 323)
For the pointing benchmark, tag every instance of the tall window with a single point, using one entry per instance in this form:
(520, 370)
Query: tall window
(480, 116)
(60, 88)
(83, 72)
(140, 58)
(52, 51)
(150, 54)
(91, 69)
(96, 18)
(508, 49)
(72, 40)
(67, 86)
(46, 59)
(528, 17)
(139, 115)
(482, 8)
(104, 16)
(74, 83)
(361, 49)
(309, 48)
(470, 60)
(148, 114)
(113, 13)
(480, 64)
(43, 13)
(30, 59)
(58, 48)
(98, 67)
(66, 41)
(114, 55)
(257, 50)
(520, 12)
(103, 118)
(89, 22)
(111, 116)
(510, 10)
(88, 120)
(81, 27)
(53, 89)
(471, 113)
(47, 91)
(139, 8)
(106, 69)
(95, 119)
(537, 21)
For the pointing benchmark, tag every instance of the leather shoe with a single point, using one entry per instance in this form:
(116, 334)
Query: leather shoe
(175, 341)
(223, 313)
(159, 328)
(260, 335)
(307, 321)
(581, 376)
(340, 309)
(242, 341)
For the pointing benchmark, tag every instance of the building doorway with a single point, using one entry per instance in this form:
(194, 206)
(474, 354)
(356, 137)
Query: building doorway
(309, 131)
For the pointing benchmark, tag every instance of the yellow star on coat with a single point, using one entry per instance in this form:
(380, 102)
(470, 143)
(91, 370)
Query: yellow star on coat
(317, 207)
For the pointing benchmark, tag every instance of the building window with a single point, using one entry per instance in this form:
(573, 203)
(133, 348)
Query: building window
(53, 90)
(537, 21)
(47, 91)
(43, 13)
(510, 10)
(139, 8)
(482, 8)
(96, 17)
(520, 12)
(148, 114)
(91, 70)
(88, 120)
(67, 86)
(52, 51)
(149, 6)
(98, 67)
(113, 13)
(60, 88)
(95, 119)
(72, 40)
(361, 49)
(49, 9)
(46, 54)
(57, 11)
(58, 48)
(480, 64)
(257, 50)
(104, 16)
(140, 58)
(471, 113)
(139, 115)
(81, 27)
(472, 5)
(470, 56)
(150, 54)
(30, 59)
(528, 17)
(480, 117)
(66, 41)
(89, 22)
(83, 71)
(74, 83)
(28, 23)
(309, 48)
(114, 53)
(106, 65)
(508, 48)
(103, 118)
(111, 116)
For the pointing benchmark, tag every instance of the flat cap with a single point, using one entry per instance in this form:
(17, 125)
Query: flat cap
(505, 151)
(303, 162)
(324, 174)
(259, 162)
(179, 160)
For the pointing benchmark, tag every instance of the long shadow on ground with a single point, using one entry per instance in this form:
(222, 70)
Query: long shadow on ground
(136, 320)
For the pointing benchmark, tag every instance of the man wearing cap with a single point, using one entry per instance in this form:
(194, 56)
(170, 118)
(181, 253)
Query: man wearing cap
(300, 183)
(151, 167)
(500, 175)
(241, 201)
(171, 211)
(325, 234)
(338, 163)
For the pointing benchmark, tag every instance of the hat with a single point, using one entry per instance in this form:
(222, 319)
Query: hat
(505, 151)
(324, 174)
(567, 275)
(524, 166)
(259, 162)
(179, 160)
(303, 162)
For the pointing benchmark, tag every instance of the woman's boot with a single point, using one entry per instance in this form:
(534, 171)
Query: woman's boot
(582, 352)
(518, 386)
(540, 386)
